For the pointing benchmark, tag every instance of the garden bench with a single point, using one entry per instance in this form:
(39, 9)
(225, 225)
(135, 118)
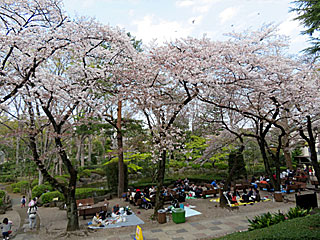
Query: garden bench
(315, 183)
(210, 192)
(301, 185)
(263, 186)
(85, 202)
(91, 210)
(292, 187)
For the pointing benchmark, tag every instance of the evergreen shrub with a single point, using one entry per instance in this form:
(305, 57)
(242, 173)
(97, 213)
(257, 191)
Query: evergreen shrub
(20, 187)
(38, 190)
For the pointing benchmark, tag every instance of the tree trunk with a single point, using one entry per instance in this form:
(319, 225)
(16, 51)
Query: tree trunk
(312, 145)
(120, 153)
(72, 212)
(78, 142)
(89, 148)
(265, 158)
(40, 178)
(223, 201)
(82, 152)
(286, 152)
(160, 179)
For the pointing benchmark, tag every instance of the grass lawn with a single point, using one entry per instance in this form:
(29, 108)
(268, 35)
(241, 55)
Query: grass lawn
(299, 228)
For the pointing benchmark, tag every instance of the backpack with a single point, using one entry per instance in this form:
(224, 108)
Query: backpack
(23, 200)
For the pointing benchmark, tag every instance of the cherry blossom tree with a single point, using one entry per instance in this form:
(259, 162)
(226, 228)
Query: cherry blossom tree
(250, 79)
(36, 37)
(163, 82)
(304, 110)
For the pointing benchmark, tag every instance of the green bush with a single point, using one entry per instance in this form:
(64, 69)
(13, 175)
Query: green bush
(297, 212)
(84, 173)
(99, 171)
(49, 196)
(38, 190)
(62, 179)
(221, 165)
(21, 186)
(1, 202)
(268, 219)
(299, 228)
(82, 193)
(34, 183)
(207, 165)
(111, 171)
(7, 178)
(2, 193)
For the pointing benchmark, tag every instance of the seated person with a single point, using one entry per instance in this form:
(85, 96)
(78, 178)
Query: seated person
(245, 197)
(250, 193)
(116, 210)
(234, 198)
(256, 195)
(229, 196)
(214, 184)
(198, 192)
(137, 196)
(97, 221)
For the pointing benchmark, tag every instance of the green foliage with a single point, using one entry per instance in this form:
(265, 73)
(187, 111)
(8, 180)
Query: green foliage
(221, 165)
(299, 228)
(297, 212)
(236, 158)
(2, 193)
(34, 182)
(49, 196)
(265, 220)
(62, 179)
(1, 202)
(20, 187)
(207, 165)
(196, 146)
(82, 193)
(308, 12)
(112, 175)
(38, 190)
(7, 178)
(268, 219)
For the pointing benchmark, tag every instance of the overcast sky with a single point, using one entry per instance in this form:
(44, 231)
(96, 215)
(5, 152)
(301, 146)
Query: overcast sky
(170, 19)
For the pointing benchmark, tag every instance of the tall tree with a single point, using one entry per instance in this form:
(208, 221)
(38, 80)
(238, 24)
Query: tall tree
(37, 36)
(308, 13)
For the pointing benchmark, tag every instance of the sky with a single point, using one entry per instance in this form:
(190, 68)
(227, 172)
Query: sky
(165, 20)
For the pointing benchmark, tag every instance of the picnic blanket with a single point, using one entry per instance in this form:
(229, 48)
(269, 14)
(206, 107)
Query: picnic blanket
(239, 203)
(131, 220)
(190, 212)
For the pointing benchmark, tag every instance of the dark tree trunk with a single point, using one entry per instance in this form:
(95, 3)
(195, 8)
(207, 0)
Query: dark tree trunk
(286, 152)
(223, 201)
(121, 181)
(160, 179)
(72, 212)
(312, 145)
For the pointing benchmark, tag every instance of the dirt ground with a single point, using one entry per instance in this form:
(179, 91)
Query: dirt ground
(54, 221)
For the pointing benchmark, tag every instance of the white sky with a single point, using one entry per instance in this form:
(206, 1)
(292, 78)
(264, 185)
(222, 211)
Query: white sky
(170, 19)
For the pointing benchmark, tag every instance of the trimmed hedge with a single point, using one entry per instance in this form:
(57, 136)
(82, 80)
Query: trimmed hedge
(20, 186)
(49, 196)
(81, 193)
(7, 178)
(37, 191)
